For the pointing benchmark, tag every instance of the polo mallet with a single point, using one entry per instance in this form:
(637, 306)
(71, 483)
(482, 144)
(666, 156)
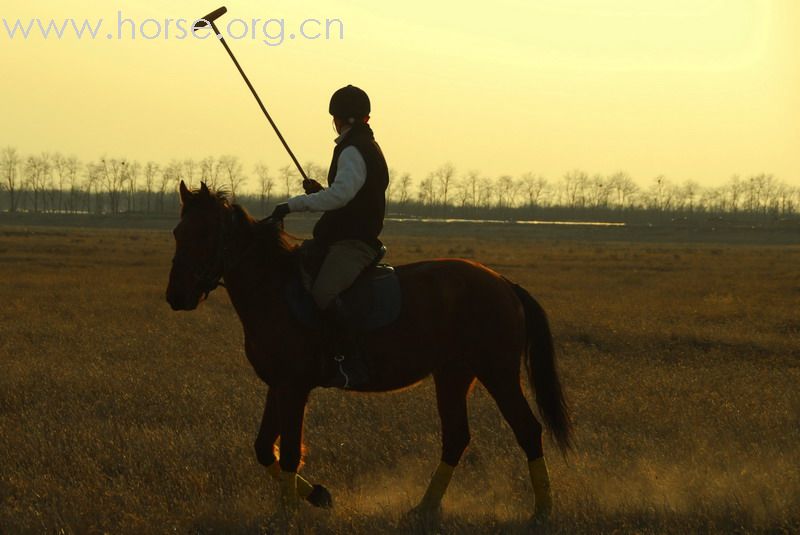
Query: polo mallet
(209, 20)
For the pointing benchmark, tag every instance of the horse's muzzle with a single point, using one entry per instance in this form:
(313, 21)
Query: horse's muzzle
(180, 302)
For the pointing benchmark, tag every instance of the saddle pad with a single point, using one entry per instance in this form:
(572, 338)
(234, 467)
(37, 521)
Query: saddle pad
(373, 301)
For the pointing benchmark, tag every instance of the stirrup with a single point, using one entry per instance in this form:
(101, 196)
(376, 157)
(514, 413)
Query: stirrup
(339, 359)
(354, 377)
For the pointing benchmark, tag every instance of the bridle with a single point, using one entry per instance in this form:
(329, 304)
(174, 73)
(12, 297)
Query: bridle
(209, 277)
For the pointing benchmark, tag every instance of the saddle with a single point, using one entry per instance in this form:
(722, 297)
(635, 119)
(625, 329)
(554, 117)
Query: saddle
(373, 301)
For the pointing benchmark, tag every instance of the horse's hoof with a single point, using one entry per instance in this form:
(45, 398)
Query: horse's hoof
(320, 497)
(425, 514)
(421, 519)
(540, 517)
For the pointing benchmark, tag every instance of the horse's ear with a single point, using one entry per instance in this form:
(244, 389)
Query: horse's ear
(185, 193)
(204, 190)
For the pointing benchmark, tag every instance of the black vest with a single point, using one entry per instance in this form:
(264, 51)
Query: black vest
(362, 217)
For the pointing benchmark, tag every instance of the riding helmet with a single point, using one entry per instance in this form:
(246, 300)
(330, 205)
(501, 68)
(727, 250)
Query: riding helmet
(349, 103)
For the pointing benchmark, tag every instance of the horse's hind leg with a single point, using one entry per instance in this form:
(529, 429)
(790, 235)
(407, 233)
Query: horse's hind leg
(504, 387)
(453, 383)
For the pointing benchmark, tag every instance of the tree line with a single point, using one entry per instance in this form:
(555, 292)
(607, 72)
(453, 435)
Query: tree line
(52, 182)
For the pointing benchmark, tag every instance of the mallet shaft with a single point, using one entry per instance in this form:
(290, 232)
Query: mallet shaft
(258, 99)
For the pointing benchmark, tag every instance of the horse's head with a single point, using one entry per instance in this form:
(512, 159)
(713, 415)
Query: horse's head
(199, 248)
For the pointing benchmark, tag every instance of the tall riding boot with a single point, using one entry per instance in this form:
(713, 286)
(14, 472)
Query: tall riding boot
(350, 367)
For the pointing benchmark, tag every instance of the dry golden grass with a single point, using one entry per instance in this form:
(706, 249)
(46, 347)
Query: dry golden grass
(681, 361)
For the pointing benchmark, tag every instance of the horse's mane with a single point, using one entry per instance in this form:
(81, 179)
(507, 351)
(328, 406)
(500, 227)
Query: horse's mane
(271, 242)
(204, 198)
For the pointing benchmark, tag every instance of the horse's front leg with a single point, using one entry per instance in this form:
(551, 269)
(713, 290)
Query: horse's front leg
(291, 408)
(267, 453)
(268, 434)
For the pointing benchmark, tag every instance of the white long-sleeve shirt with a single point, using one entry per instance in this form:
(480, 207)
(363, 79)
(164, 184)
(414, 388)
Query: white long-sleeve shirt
(351, 173)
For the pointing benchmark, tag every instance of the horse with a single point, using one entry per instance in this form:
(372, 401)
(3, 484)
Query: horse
(460, 322)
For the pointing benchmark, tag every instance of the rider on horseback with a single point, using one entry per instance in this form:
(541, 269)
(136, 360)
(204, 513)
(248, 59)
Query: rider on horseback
(354, 204)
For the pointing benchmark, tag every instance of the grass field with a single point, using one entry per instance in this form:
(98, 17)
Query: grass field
(681, 362)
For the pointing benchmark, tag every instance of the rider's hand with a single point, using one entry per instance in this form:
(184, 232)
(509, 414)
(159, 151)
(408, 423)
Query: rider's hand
(312, 186)
(280, 211)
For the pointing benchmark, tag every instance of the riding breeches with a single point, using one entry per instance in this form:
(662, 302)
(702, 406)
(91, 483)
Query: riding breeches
(343, 264)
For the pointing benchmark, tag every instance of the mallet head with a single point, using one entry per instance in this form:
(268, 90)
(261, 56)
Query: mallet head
(210, 18)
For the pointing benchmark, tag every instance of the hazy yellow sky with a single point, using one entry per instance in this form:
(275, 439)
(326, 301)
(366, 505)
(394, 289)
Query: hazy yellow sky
(693, 89)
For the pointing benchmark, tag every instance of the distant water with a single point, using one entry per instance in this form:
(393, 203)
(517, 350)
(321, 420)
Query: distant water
(503, 222)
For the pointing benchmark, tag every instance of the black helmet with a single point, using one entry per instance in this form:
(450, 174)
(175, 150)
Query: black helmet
(349, 103)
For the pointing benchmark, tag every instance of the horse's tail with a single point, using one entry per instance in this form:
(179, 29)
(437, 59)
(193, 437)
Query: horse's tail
(540, 363)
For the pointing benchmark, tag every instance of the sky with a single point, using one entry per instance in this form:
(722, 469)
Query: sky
(691, 89)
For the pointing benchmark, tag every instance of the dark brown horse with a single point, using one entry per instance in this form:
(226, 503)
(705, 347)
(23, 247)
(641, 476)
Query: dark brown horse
(460, 321)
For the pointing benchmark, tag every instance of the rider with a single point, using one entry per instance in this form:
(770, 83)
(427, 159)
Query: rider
(354, 204)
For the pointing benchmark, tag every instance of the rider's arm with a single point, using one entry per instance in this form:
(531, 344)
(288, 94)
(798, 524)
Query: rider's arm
(351, 172)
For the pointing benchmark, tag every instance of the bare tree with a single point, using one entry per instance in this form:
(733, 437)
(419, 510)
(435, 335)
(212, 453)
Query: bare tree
(73, 180)
(784, 197)
(9, 167)
(714, 199)
(266, 183)
(210, 172)
(424, 190)
(598, 191)
(170, 175)
(151, 171)
(37, 170)
(505, 191)
(60, 165)
(471, 184)
(390, 187)
(287, 175)
(462, 191)
(132, 172)
(315, 172)
(661, 193)
(49, 194)
(533, 186)
(735, 189)
(232, 173)
(759, 192)
(443, 178)
(622, 187)
(687, 195)
(405, 188)
(575, 183)
(113, 174)
(190, 170)
(93, 186)
(427, 190)
(486, 192)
